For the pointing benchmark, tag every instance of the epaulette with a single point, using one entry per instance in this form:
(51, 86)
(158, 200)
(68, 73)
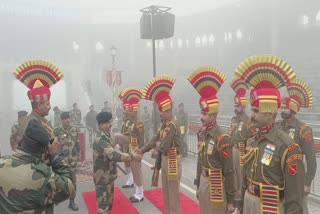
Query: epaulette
(284, 137)
(175, 126)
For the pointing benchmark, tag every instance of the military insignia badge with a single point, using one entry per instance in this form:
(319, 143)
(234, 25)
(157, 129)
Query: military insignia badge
(240, 126)
(210, 147)
(291, 133)
(292, 169)
(268, 153)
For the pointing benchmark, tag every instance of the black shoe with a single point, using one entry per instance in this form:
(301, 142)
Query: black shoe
(131, 197)
(135, 200)
(73, 206)
(127, 186)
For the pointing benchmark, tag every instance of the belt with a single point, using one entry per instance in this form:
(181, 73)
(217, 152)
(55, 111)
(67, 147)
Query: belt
(254, 189)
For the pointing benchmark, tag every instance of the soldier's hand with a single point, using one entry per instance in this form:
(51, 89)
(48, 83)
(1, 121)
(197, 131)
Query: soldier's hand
(230, 208)
(152, 167)
(307, 190)
(138, 151)
(136, 156)
(54, 147)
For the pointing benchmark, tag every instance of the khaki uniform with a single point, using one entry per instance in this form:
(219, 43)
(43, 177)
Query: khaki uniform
(182, 120)
(169, 137)
(105, 169)
(214, 160)
(36, 116)
(273, 173)
(70, 146)
(136, 142)
(239, 135)
(301, 133)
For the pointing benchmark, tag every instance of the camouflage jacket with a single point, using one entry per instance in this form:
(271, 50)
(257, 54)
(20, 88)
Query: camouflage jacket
(301, 133)
(105, 158)
(75, 115)
(273, 158)
(69, 144)
(214, 151)
(28, 185)
(57, 119)
(14, 136)
(36, 116)
(168, 135)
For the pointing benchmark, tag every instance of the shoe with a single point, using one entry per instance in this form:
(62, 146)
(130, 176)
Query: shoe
(127, 186)
(135, 200)
(131, 197)
(73, 206)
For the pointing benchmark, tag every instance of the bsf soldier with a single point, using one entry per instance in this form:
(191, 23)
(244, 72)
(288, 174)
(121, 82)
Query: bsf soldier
(273, 169)
(147, 123)
(68, 137)
(38, 76)
(299, 96)
(123, 140)
(169, 136)
(104, 159)
(132, 96)
(27, 183)
(182, 119)
(15, 137)
(239, 133)
(214, 179)
(75, 115)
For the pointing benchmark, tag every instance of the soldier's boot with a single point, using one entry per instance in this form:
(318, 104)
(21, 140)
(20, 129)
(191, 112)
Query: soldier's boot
(138, 196)
(129, 183)
(73, 206)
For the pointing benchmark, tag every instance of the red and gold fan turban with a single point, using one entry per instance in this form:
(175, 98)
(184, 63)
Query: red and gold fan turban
(132, 97)
(266, 74)
(240, 88)
(38, 76)
(207, 81)
(158, 90)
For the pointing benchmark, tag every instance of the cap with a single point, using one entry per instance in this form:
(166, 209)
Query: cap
(132, 96)
(36, 132)
(104, 117)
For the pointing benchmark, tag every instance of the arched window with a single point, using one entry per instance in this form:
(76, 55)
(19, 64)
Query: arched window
(318, 17)
(197, 42)
(161, 44)
(211, 39)
(180, 42)
(204, 40)
(239, 34)
(187, 43)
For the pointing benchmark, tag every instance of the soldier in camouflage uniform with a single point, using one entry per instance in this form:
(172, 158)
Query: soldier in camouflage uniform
(214, 179)
(182, 119)
(300, 96)
(104, 160)
(68, 137)
(57, 119)
(239, 132)
(272, 167)
(27, 183)
(75, 115)
(169, 137)
(15, 137)
(38, 76)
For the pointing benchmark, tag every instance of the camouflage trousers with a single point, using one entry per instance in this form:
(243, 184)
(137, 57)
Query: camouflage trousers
(104, 197)
(74, 181)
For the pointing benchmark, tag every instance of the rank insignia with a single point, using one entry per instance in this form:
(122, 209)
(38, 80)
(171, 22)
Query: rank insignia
(292, 169)
(268, 153)
(210, 147)
(291, 133)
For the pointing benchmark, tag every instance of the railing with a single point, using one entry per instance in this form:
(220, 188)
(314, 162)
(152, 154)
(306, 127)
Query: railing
(193, 150)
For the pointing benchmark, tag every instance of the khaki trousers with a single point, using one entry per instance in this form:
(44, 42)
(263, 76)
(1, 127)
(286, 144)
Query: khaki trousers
(123, 141)
(204, 198)
(137, 172)
(252, 204)
(237, 174)
(170, 187)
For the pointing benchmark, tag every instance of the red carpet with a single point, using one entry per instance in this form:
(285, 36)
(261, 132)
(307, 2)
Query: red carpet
(187, 204)
(121, 203)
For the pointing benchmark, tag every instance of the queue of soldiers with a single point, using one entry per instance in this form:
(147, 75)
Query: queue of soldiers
(255, 168)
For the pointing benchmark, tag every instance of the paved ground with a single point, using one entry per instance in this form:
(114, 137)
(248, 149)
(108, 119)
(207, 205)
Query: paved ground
(145, 207)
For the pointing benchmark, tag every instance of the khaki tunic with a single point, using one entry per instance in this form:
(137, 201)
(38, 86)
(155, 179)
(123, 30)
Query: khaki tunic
(214, 151)
(285, 171)
(169, 137)
(239, 134)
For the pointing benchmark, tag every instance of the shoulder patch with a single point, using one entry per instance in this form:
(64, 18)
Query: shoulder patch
(292, 147)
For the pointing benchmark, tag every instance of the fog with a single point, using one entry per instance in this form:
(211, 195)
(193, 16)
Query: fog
(77, 37)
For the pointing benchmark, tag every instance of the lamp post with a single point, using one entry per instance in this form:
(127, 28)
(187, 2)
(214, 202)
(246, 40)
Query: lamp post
(113, 51)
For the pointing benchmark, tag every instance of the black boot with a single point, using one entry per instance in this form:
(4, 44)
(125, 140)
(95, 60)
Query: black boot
(73, 206)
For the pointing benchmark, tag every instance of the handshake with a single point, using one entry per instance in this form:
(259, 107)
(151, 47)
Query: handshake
(137, 155)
